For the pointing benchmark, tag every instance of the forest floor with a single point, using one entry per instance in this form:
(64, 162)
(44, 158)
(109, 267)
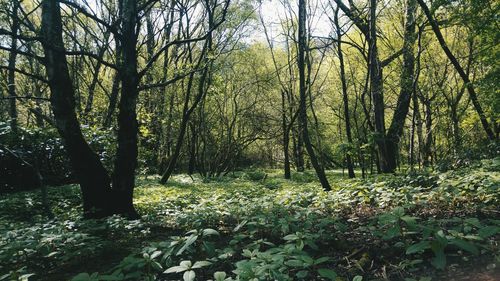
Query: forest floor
(254, 225)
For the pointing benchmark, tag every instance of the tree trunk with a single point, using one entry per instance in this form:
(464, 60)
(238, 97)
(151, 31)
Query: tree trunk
(11, 79)
(459, 69)
(90, 173)
(395, 131)
(302, 89)
(427, 146)
(350, 166)
(455, 128)
(127, 149)
(192, 148)
(377, 91)
(113, 100)
(286, 136)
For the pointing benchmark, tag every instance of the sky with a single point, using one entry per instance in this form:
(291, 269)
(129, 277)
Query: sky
(273, 11)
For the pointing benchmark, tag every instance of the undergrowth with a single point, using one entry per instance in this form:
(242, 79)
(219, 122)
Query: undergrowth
(254, 225)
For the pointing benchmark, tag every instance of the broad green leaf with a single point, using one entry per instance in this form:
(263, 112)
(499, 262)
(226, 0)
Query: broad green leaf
(488, 231)
(291, 237)
(321, 260)
(302, 274)
(439, 261)
(420, 246)
(176, 269)
(411, 221)
(82, 277)
(327, 273)
(25, 277)
(219, 276)
(110, 277)
(200, 264)
(191, 239)
(155, 254)
(189, 275)
(399, 212)
(473, 221)
(294, 263)
(209, 231)
(465, 245)
(357, 278)
(306, 259)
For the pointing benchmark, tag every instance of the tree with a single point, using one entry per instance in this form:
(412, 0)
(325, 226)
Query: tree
(407, 81)
(91, 174)
(204, 61)
(345, 99)
(468, 84)
(302, 49)
(12, 66)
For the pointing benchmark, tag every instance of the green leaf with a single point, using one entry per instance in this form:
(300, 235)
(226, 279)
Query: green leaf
(306, 259)
(219, 276)
(465, 245)
(294, 263)
(399, 212)
(392, 232)
(357, 278)
(110, 278)
(155, 254)
(25, 277)
(82, 277)
(240, 225)
(327, 273)
(209, 231)
(176, 269)
(411, 221)
(473, 221)
(488, 231)
(51, 254)
(439, 261)
(189, 275)
(321, 260)
(291, 237)
(302, 274)
(200, 264)
(420, 246)
(191, 239)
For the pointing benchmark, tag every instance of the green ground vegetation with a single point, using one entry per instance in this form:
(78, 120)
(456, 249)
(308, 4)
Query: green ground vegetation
(254, 225)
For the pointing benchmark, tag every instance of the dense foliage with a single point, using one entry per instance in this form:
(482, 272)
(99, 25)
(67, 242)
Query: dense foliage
(254, 225)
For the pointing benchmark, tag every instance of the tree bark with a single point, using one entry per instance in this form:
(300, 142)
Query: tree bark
(286, 136)
(302, 48)
(113, 101)
(11, 76)
(395, 131)
(127, 148)
(89, 171)
(377, 91)
(350, 166)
